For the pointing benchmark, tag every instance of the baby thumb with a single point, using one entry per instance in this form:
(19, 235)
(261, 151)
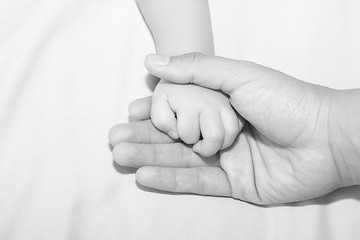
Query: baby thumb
(205, 70)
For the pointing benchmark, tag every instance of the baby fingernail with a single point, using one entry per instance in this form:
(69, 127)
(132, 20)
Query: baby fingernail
(173, 135)
(158, 59)
(196, 148)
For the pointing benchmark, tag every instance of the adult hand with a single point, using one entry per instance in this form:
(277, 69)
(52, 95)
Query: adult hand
(285, 152)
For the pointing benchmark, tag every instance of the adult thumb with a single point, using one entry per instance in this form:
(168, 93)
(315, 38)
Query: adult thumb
(204, 70)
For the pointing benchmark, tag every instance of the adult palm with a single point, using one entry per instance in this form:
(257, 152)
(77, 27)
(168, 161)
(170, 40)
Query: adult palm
(283, 153)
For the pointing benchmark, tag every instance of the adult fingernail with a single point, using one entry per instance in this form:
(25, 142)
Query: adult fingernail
(158, 59)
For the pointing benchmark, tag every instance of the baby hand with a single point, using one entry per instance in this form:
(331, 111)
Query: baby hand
(190, 111)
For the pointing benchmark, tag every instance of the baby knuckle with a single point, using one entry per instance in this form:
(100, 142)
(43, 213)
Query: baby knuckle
(188, 138)
(234, 129)
(215, 136)
(206, 152)
(159, 121)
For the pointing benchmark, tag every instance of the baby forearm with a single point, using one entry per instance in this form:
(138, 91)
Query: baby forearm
(179, 26)
(345, 132)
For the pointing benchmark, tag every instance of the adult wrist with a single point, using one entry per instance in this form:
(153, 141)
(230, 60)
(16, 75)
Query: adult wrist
(344, 134)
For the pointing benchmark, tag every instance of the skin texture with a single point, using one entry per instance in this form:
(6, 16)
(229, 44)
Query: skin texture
(199, 112)
(196, 115)
(290, 148)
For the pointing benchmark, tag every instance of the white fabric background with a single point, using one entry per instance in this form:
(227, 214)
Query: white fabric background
(68, 70)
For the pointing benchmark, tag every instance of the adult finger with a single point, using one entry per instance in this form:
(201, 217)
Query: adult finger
(139, 109)
(208, 71)
(137, 132)
(164, 155)
(199, 180)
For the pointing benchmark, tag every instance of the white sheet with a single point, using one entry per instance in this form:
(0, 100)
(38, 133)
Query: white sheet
(69, 68)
